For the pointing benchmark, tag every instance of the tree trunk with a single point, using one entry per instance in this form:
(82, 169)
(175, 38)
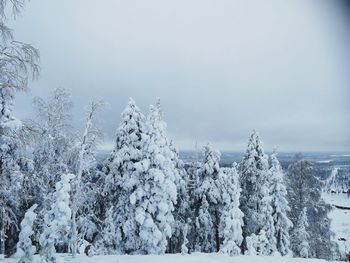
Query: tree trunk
(217, 236)
(74, 234)
(2, 233)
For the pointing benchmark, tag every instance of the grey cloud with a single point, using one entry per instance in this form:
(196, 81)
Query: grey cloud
(221, 68)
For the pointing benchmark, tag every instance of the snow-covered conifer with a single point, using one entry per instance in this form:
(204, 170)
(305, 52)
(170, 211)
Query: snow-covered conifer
(268, 226)
(206, 202)
(231, 219)
(106, 240)
(182, 212)
(257, 244)
(255, 200)
(300, 236)
(304, 191)
(57, 221)
(280, 206)
(184, 248)
(156, 196)
(204, 229)
(263, 244)
(25, 249)
(251, 245)
(124, 168)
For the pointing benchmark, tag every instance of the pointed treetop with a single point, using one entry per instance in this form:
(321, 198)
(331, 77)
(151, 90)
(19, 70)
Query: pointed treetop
(211, 161)
(158, 104)
(131, 129)
(130, 107)
(274, 161)
(131, 102)
(155, 119)
(275, 148)
(131, 110)
(255, 147)
(155, 111)
(259, 144)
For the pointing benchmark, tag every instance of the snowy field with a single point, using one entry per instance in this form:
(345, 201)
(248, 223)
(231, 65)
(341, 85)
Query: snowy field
(193, 258)
(340, 219)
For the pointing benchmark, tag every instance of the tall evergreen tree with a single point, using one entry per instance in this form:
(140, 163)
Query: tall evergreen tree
(231, 219)
(255, 200)
(304, 191)
(182, 212)
(204, 228)
(57, 221)
(25, 249)
(300, 236)
(105, 243)
(124, 169)
(206, 203)
(280, 207)
(157, 193)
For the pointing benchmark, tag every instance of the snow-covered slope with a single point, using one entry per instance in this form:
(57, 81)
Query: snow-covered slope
(193, 258)
(340, 219)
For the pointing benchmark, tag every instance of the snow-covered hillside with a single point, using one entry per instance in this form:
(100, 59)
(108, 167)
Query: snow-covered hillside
(340, 219)
(193, 258)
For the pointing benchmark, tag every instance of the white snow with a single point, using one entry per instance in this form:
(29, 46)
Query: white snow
(338, 199)
(14, 124)
(325, 161)
(178, 258)
(340, 219)
(340, 155)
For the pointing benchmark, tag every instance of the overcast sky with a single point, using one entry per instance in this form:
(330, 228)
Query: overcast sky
(221, 68)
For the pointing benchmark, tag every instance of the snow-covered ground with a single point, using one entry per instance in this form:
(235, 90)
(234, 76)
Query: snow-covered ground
(193, 258)
(340, 219)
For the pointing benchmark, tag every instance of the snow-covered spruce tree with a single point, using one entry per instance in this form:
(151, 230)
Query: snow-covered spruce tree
(184, 248)
(206, 203)
(106, 242)
(267, 220)
(182, 213)
(204, 228)
(123, 176)
(263, 244)
(25, 249)
(255, 201)
(304, 191)
(257, 244)
(83, 189)
(192, 170)
(155, 196)
(57, 221)
(231, 219)
(280, 206)
(300, 236)
(251, 245)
